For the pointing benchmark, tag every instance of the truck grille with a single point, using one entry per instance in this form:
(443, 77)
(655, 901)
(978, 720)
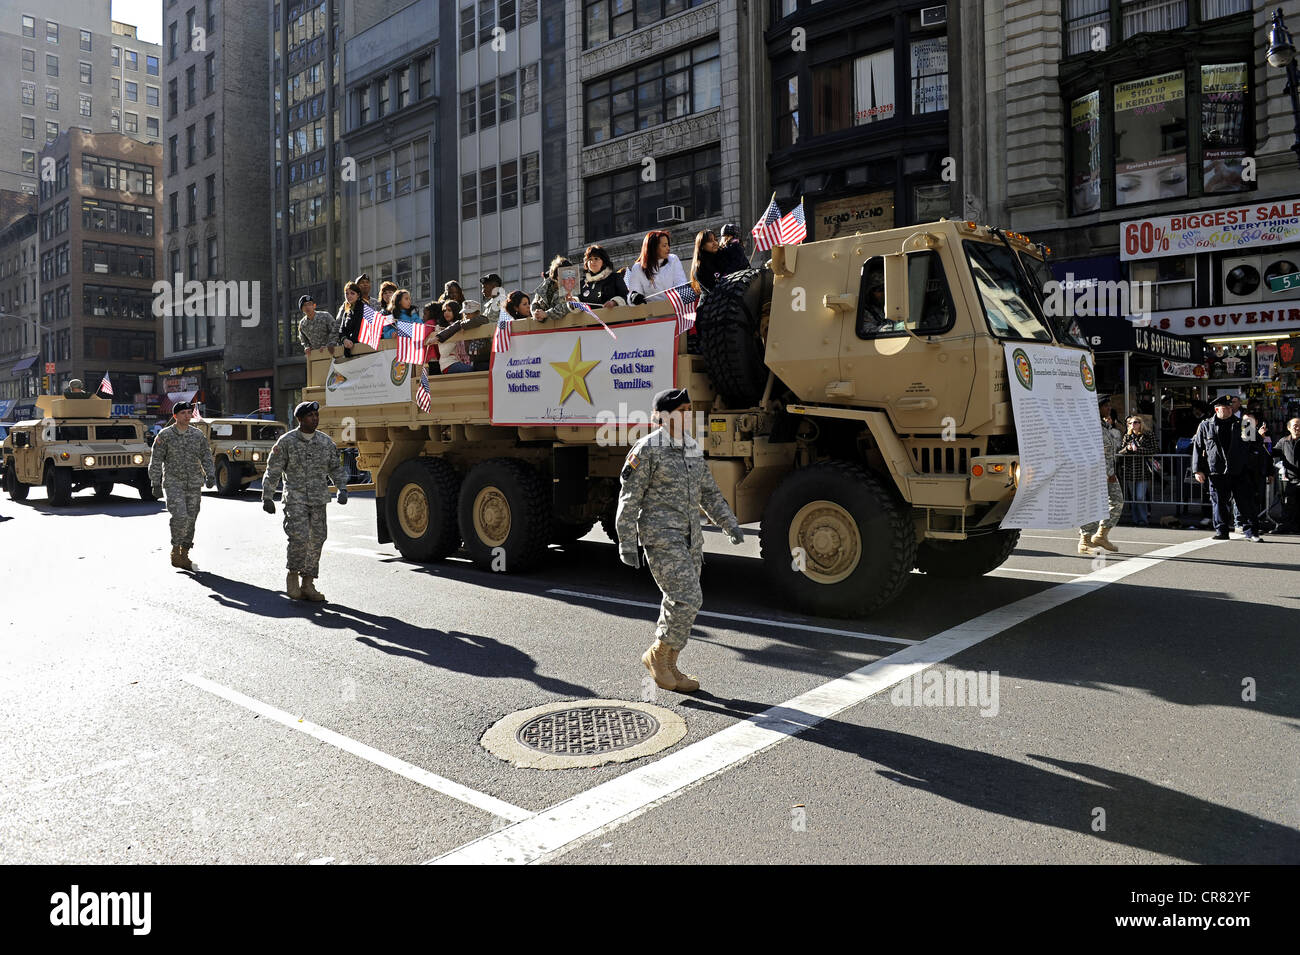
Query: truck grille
(112, 460)
(944, 457)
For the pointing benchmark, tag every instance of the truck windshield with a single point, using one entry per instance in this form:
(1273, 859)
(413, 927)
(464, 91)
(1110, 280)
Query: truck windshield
(1065, 326)
(115, 432)
(71, 432)
(267, 432)
(1010, 305)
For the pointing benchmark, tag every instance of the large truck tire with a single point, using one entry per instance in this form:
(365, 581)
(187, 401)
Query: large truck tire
(608, 525)
(16, 488)
(103, 489)
(972, 557)
(229, 477)
(420, 508)
(835, 542)
(143, 486)
(505, 515)
(567, 532)
(729, 323)
(58, 485)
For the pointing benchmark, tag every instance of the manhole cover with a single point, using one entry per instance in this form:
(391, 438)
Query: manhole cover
(582, 733)
(584, 730)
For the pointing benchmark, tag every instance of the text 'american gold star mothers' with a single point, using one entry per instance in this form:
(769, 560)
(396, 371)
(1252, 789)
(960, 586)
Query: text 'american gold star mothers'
(574, 373)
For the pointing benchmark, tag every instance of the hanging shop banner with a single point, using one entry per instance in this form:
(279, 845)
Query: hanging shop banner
(1062, 465)
(1214, 230)
(1149, 165)
(1266, 367)
(1182, 369)
(871, 212)
(1216, 319)
(377, 378)
(1085, 151)
(582, 376)
(1223, 126)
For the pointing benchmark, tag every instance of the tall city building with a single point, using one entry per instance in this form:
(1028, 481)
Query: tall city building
(217, 226)
(76, 69)
(19, 359)
(99, 251)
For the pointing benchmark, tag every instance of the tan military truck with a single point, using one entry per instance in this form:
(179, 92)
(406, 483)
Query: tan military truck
(240, 447)
(869, 433)
(75, 444)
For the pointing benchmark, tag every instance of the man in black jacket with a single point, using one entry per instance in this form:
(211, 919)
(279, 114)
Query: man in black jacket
(1287, 453)
(1220, 457)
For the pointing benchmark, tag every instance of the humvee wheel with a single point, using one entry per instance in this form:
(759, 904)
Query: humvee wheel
(16, 488)
(228, 477)
(972, 557)
(730, 323)
(103, 489)
(565, 532)
(420, 509)
(836, 543)
(58, 485)
(144, 487)
(608, 525)
(505, 515)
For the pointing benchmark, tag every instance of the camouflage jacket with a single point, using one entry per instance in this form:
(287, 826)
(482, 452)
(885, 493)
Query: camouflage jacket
(186, 455)
(317, 331)
(307, 463)
(665, 485)
(1110, 444)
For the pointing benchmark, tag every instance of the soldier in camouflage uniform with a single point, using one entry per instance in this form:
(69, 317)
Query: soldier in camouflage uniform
(307, 460)
(315, 328)
(185, 455)
(665, 483)
(1089, 535)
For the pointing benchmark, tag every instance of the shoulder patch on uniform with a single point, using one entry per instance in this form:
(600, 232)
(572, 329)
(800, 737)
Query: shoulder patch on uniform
(632, 461)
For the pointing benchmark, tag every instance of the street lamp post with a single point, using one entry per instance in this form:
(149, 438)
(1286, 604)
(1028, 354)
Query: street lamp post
(1281, 53)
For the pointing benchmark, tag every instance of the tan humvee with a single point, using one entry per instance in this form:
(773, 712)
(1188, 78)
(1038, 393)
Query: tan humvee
(240, 447)
(868, 437)
(74, 445)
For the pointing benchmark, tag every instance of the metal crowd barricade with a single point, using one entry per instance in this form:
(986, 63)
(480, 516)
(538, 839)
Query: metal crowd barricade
(1171, 487)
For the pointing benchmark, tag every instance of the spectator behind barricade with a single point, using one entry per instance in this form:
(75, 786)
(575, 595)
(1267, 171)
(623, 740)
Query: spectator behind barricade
(350, 318)
(1221, 459)
(1286, 452)
(602, 287)
(452, 292)
(518, 305)
(386, 290)
(431, 312)
(731, 254)
(494, 296)
(1134, 459)
(455, 358)
(549, 299)
(656, 270)
(706, 264)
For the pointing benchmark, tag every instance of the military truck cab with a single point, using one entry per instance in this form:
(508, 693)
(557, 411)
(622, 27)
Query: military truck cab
(240, 447)
(76, 444)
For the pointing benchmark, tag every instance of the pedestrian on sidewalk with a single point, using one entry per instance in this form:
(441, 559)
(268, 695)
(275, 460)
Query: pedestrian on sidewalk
(307, 460)
(1097, 533)
(1134, 460)
(179, 464)
(665, 483)
(1286, 453)
(1219, 458)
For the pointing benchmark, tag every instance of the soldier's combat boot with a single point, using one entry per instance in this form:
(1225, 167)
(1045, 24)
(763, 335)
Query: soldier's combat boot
(182, 558)
(1102, 539)
(1085, 543)
(656, 661)
(176, 555)
(685, 682)
(309, 591)
(291, 586)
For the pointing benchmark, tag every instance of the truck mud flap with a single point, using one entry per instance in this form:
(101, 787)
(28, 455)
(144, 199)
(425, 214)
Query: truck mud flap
(381, 523)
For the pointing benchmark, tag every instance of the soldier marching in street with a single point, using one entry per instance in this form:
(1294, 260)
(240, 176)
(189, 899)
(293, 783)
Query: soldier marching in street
(307, 460)
(180, 465)
(665, 483)
(1089, 534)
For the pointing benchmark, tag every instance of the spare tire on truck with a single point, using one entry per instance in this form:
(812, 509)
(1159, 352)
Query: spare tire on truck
(730, 327)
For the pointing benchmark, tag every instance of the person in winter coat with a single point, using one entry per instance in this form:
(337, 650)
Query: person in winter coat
(601, 286)
(452, 292)
(350, 318)
(401, 307)
(656, 270)
(494, 296)
(1134, 455)
(549, 299)
(706, 266)
(471, 355)
(1220, 459)
(1286, 453)
(731, 253)
(430, 314)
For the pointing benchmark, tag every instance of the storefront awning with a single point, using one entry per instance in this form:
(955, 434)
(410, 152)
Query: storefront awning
(19, 367)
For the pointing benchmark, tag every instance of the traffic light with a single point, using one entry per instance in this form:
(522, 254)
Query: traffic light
(45, 383)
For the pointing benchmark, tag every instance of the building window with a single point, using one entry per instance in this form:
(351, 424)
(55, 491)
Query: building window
(172, 103)
(1152, 16)
(653, 93)
(29, 161)
(189, 29)
(211, 8)
(403, 87)
(51, 132)
(402, 171)
(853, 92)
(29, 94)
(173, 207)
(85, 41)
(171, 42)
(929, 75)
(366, 178)
(132, 122)
(469, 196)
(527, 12)
(84, 73)
(116, 56)
(104, 259)
(212, 256)
(509, 184)
(468, 113)
(115, 122)
(532, 178)
(51, 65)
(508, 95)
(487, 105)
(381, 98)
(528, 89)
(29, 61)
(51, 32)
(487, 191)
(621, 203)
(29, 127)
(132, 92)
(1151, 139)
(1173, 279)
(51, 99)
(363, 105)
(132, 61)
(29, 26)
(420, 162)
(151, 65)
(99, 215)
(467, 29)
(787, 112)
(191, 87)
(486, 20)
(424, 77)
(171, 155)
(383, 178)
(211, 184)
(83, 105)
(1223, 126)
(192, 260)
(611, 19)
(151, 96)
(191, 203)
(191, 146)
(210, 133)
(151, 126)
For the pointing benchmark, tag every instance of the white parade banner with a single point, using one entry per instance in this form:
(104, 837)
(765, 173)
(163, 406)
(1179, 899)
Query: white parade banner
(374, 379)
(1062, 465)
(583, 376)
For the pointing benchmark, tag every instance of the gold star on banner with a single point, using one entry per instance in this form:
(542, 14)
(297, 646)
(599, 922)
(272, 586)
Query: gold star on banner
(574, 373)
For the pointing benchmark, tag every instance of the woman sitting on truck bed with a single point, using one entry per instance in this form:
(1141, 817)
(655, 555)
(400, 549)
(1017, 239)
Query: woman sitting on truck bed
(602, 287)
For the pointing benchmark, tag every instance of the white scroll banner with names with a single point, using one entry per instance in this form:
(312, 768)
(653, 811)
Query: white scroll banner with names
(582, 376)
(1062, 465)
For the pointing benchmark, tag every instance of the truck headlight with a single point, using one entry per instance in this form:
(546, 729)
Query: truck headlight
(138, 459)
(88, 460)
(1015, 474)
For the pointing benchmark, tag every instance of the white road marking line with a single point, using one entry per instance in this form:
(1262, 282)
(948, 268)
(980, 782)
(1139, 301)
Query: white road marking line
(601, 808)
(1048, 537)
(414, 773)
(1026, 570)
(783, 624)
(338, 548)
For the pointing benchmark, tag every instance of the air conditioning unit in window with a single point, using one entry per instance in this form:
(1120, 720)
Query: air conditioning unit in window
(667, 215)
(1244, 278)
(934, 16)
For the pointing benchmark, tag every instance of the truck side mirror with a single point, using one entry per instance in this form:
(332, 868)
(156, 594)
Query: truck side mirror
(896, 289)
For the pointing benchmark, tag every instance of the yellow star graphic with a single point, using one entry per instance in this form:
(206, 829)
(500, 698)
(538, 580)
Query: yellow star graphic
(574, 373)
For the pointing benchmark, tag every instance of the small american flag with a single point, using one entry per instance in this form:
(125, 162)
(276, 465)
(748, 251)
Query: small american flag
(792, 229)
(422, 396)
(684, 299)
(105, 386)
(501, 340)
(584, 307)
(372, 326)
(412, 342)
(765, 234)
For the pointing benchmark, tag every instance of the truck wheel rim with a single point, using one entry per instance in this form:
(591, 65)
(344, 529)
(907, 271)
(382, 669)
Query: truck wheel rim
(827, 538)
(413, 511)
(491, 517)
(223, 474)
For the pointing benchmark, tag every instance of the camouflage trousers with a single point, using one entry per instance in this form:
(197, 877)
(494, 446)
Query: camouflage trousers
(676, 569)
(1116, 495)
(183, 505)
(305, 526)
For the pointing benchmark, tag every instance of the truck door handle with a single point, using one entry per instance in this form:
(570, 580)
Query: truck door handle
(916, 404)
